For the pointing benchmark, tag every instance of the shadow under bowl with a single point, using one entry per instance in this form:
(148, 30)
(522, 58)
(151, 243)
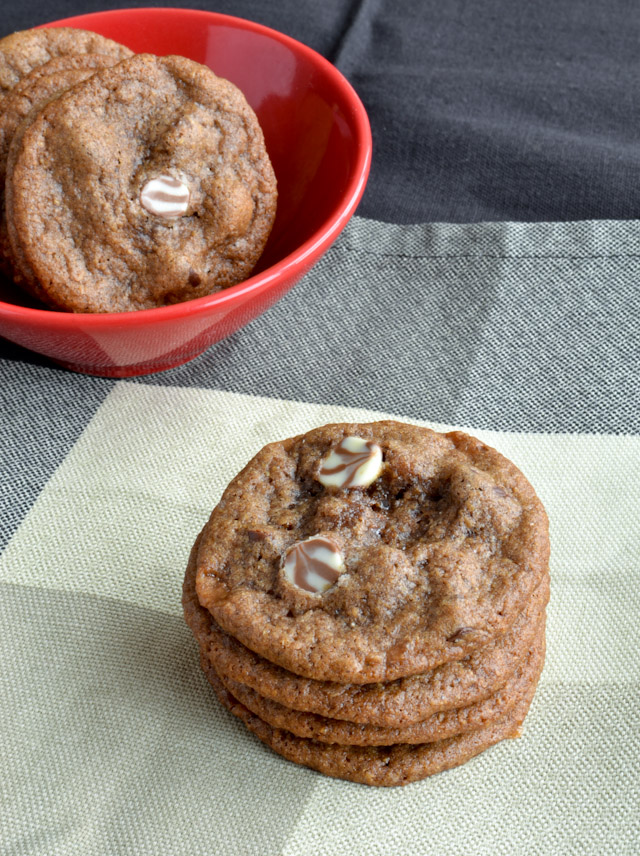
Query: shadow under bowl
(319, 140)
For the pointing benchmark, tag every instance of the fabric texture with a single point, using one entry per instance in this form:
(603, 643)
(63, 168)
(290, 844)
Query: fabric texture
(513, 326)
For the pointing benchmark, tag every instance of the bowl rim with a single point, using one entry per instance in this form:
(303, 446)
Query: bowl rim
(300, 258)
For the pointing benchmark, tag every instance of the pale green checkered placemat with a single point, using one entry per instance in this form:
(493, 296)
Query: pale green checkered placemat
(114, 743)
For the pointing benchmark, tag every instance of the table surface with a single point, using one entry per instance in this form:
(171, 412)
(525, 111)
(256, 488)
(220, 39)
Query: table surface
(487, 282)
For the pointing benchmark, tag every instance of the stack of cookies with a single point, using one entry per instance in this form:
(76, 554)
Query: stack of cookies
(126, 181)
(370, 599)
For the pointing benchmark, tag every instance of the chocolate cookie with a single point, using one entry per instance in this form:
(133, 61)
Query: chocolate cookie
(359, 553)
(38, 87)
(394, 704)
(145, 185)
(385, 766)
(30, 94)
(22, 52)
(438, 726)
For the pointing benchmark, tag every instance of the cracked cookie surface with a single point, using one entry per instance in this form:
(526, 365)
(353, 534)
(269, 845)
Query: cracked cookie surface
(19, 109)
(441, 553)
(95, 210)
(26, 50)
(395, 704)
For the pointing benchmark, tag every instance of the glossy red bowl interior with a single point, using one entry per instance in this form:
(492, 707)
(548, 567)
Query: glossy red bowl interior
(318, 137)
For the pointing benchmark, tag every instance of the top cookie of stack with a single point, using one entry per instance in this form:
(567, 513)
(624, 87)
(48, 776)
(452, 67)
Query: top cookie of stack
(370, 599)
(129, 182)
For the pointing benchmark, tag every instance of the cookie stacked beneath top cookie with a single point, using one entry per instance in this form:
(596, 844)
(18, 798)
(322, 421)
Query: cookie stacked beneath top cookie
(130, 182)
(370, 599)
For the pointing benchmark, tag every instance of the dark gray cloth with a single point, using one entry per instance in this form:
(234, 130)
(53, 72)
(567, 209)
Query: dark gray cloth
(479, 111)
(515, 327)
(500, 111)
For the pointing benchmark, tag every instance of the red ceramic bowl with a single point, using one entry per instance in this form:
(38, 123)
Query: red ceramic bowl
(318, 137)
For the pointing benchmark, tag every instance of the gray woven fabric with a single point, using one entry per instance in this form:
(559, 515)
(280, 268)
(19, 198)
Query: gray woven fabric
(112, 741)
(43, 412)
(523, 327)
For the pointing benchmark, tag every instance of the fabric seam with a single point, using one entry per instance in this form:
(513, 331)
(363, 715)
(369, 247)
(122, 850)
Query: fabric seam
(480, 256)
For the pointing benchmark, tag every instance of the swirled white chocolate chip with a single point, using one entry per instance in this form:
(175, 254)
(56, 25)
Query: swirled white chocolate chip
(313, 565)
(353, 463)
(165, 196)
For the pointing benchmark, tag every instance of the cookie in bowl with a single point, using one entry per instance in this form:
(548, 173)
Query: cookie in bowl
(318, 138)
(19, 107)
(147, 184)
(26, 50)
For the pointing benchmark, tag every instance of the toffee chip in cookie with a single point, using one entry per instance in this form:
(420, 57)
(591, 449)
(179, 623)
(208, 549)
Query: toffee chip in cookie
(148, 184)
(313, 565)
(441, 551)
(354, 462)
(24, 51)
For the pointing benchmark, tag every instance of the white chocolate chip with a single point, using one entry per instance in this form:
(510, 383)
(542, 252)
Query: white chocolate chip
(353, 463)
(165, 196)
(313, 565)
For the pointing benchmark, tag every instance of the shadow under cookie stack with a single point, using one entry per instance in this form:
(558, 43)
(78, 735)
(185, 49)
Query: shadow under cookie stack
(369, 599)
